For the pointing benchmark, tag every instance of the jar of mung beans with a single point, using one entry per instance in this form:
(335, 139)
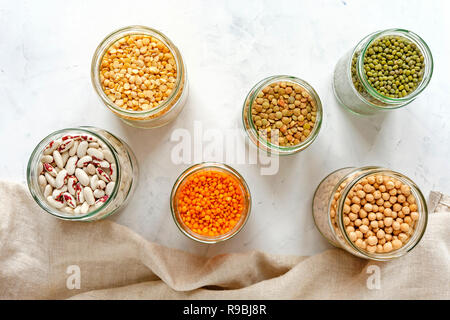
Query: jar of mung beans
(371, 212)
(282, 115)
(386, 70)
(140, 75)
(69, 155)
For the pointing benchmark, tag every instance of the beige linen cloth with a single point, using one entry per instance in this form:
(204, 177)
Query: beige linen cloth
(36, 251)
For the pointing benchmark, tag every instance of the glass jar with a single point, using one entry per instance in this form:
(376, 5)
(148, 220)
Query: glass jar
(349, 72)
(253, 134)
(167, 110)
(205, 166)
(328, 203)
(126, 173)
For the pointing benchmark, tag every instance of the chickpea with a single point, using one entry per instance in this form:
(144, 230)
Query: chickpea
(387, 212)
(414, 215)
(358, 222)
(387, 247)
(356, 200)
(352, 236)
(368, 207)
(388, 221)
(364, 228)
(371, 249)
(402, 237)
(381, 234)
(346, 220)
(355, 208)
(397, 244)
(361, 194)
(346, 208)
(353, 216)
(372, 240)
(397, 207)
(377, 195)
(362, 213)
(390, 185)
(404, 227)
(374, 224)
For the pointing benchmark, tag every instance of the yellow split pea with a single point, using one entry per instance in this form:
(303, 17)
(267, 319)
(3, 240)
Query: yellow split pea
(138, 72)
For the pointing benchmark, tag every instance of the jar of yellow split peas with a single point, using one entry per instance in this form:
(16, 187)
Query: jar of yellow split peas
(210, 202)
(140, 75)
(371, 212)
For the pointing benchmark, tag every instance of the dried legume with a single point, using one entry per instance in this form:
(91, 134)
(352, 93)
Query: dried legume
(210, 202)
(138, 72)
(382, 215)
(287, 108)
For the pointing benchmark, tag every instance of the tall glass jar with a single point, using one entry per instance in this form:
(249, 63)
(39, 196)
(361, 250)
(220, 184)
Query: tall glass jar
(124, 163)
(350, 83)
(261, 142)
(208, 166)
(167, 110)
(328, 204)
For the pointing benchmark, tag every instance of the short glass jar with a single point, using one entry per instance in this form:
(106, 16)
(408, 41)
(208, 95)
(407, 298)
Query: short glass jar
(168, 109)
(350, 71)
(257, 139)
(126, 173)
(208, 166)
(328, 210)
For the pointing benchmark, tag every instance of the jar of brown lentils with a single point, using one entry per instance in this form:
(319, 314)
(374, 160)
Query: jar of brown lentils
(282, 115)
(371, 212)
(140, 75)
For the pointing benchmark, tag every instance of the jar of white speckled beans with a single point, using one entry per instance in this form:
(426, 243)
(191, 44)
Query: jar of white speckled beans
(114, 182)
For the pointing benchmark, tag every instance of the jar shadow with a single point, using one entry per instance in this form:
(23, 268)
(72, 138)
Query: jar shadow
(367, 126)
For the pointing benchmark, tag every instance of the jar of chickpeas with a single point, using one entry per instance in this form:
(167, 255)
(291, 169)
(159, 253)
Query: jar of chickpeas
(140, 75)
(371, 212)
(282, 115)
(386, 70)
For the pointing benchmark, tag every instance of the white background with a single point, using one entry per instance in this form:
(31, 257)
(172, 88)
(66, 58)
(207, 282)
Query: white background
(45, 55)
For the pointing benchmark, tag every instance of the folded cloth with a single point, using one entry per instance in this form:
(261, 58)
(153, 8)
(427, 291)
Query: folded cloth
(45, 258)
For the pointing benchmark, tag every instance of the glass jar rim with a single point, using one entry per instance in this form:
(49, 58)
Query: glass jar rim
(394, 103)
(106, 43)
(370, 170)
(205, 166)
(251, 97)
(38, 150)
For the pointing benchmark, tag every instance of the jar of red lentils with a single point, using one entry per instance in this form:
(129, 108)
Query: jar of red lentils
(140, 75)
(371, 212)
(210, 202)
(282, 115)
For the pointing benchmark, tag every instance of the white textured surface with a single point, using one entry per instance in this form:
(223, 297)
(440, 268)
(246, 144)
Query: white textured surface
(45, 53)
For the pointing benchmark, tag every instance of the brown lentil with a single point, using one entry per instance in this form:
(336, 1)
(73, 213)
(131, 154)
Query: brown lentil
(287, 107)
